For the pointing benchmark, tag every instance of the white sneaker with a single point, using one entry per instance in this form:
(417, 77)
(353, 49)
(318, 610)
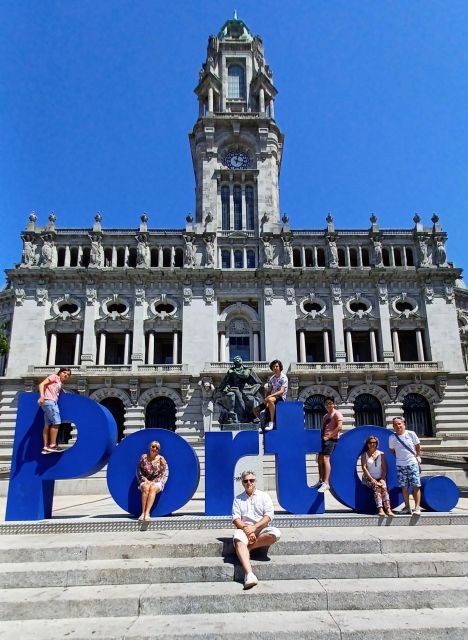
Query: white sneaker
(417, 511)
(269, 426)
(323, 487)
(250, 580)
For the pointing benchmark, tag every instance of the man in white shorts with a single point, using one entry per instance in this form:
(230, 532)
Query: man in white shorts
(252, 513)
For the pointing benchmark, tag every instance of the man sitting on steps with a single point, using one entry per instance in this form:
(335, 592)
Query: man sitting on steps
(252, 512)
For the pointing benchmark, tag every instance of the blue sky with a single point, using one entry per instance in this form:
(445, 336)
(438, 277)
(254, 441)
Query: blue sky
(96, 101)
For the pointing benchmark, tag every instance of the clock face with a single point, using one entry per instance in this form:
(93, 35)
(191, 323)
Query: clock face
(236, 160)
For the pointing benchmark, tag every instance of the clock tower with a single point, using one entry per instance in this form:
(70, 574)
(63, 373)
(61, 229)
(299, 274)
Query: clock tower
(236, 144)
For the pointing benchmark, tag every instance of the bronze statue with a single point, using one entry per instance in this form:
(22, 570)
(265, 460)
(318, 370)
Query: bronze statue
(237, 394)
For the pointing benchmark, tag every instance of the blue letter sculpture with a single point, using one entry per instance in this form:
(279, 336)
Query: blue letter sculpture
(222, 451)
(290, 443)
(184, 471)
(31, 488)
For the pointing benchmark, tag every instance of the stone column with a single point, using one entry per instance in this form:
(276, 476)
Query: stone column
(232, 256)
(338, 332)
(261, 101)
(396, 346)
(127, 348)
(385, 331)
(76, 358)
(303, 259)
(222, 347)
(102, 348)
(419, 345)
(160, 257)
(272, 109)
(349, 346)
(52, 349)
(302, 347)
(373, 345)
(175, 347)
(326, 346)
(114, 256)
(210, 100)
(256, 352)
(67, 256)
(151, 347)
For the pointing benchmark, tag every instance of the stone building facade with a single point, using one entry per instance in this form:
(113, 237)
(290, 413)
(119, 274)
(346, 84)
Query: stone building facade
(148, 318)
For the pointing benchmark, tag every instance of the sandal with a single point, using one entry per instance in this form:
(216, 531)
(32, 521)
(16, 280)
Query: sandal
(45, 451)
(53, 448)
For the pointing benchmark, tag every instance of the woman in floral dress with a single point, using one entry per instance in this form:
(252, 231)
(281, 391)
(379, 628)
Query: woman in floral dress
(374, 474)
(152, 472)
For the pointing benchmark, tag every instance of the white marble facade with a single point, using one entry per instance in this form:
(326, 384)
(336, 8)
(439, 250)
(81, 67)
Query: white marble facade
(145, 315)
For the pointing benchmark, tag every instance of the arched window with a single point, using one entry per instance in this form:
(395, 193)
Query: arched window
(368, 411)
(320, 257)
(353, 261)
(117, 408)
(249, 207)
(108, 257)
(121, 257)
(385, 257)
(154, 257)
(238, 259)
(178, 258)
(341, 258)
(417, 414)
(250, 259)
(161, 414)
(225, 259)
(314, 410)
(225, 208)
(365, 257)
(297, 257)
(237, 198)
(86, 257)
(308, 258)
(166, 257)
(236, 81)
(132, 257)
(409, 256)
(239, 333)
(74, 257)
(397, 256)
(60, 257)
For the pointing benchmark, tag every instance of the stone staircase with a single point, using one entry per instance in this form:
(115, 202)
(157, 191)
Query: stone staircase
(320, 582)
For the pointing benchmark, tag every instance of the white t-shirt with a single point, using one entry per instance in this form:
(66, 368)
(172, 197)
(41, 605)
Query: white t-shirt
(251, 509)
(404, 458)
(276, 382)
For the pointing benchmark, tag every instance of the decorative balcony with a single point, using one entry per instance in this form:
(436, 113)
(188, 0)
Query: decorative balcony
(222, 367)
(303, 367)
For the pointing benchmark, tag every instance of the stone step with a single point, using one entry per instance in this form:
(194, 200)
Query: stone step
(223, 597)
(200, 570)
(217, 543)
(405, 624)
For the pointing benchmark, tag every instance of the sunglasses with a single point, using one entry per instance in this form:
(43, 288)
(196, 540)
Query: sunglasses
(372, 442)
(249, 481)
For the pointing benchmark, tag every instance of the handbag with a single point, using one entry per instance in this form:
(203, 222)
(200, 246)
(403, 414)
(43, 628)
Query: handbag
(418, 458)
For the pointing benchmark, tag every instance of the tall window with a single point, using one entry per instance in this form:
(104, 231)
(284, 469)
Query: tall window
(225, 259)
(368, 411)
(250, 259)
(236, 81)
(314, 410)
(249, 207)
(225, 209)
(237, 197)
(417, 414)
(238, 259)
(239, 346)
